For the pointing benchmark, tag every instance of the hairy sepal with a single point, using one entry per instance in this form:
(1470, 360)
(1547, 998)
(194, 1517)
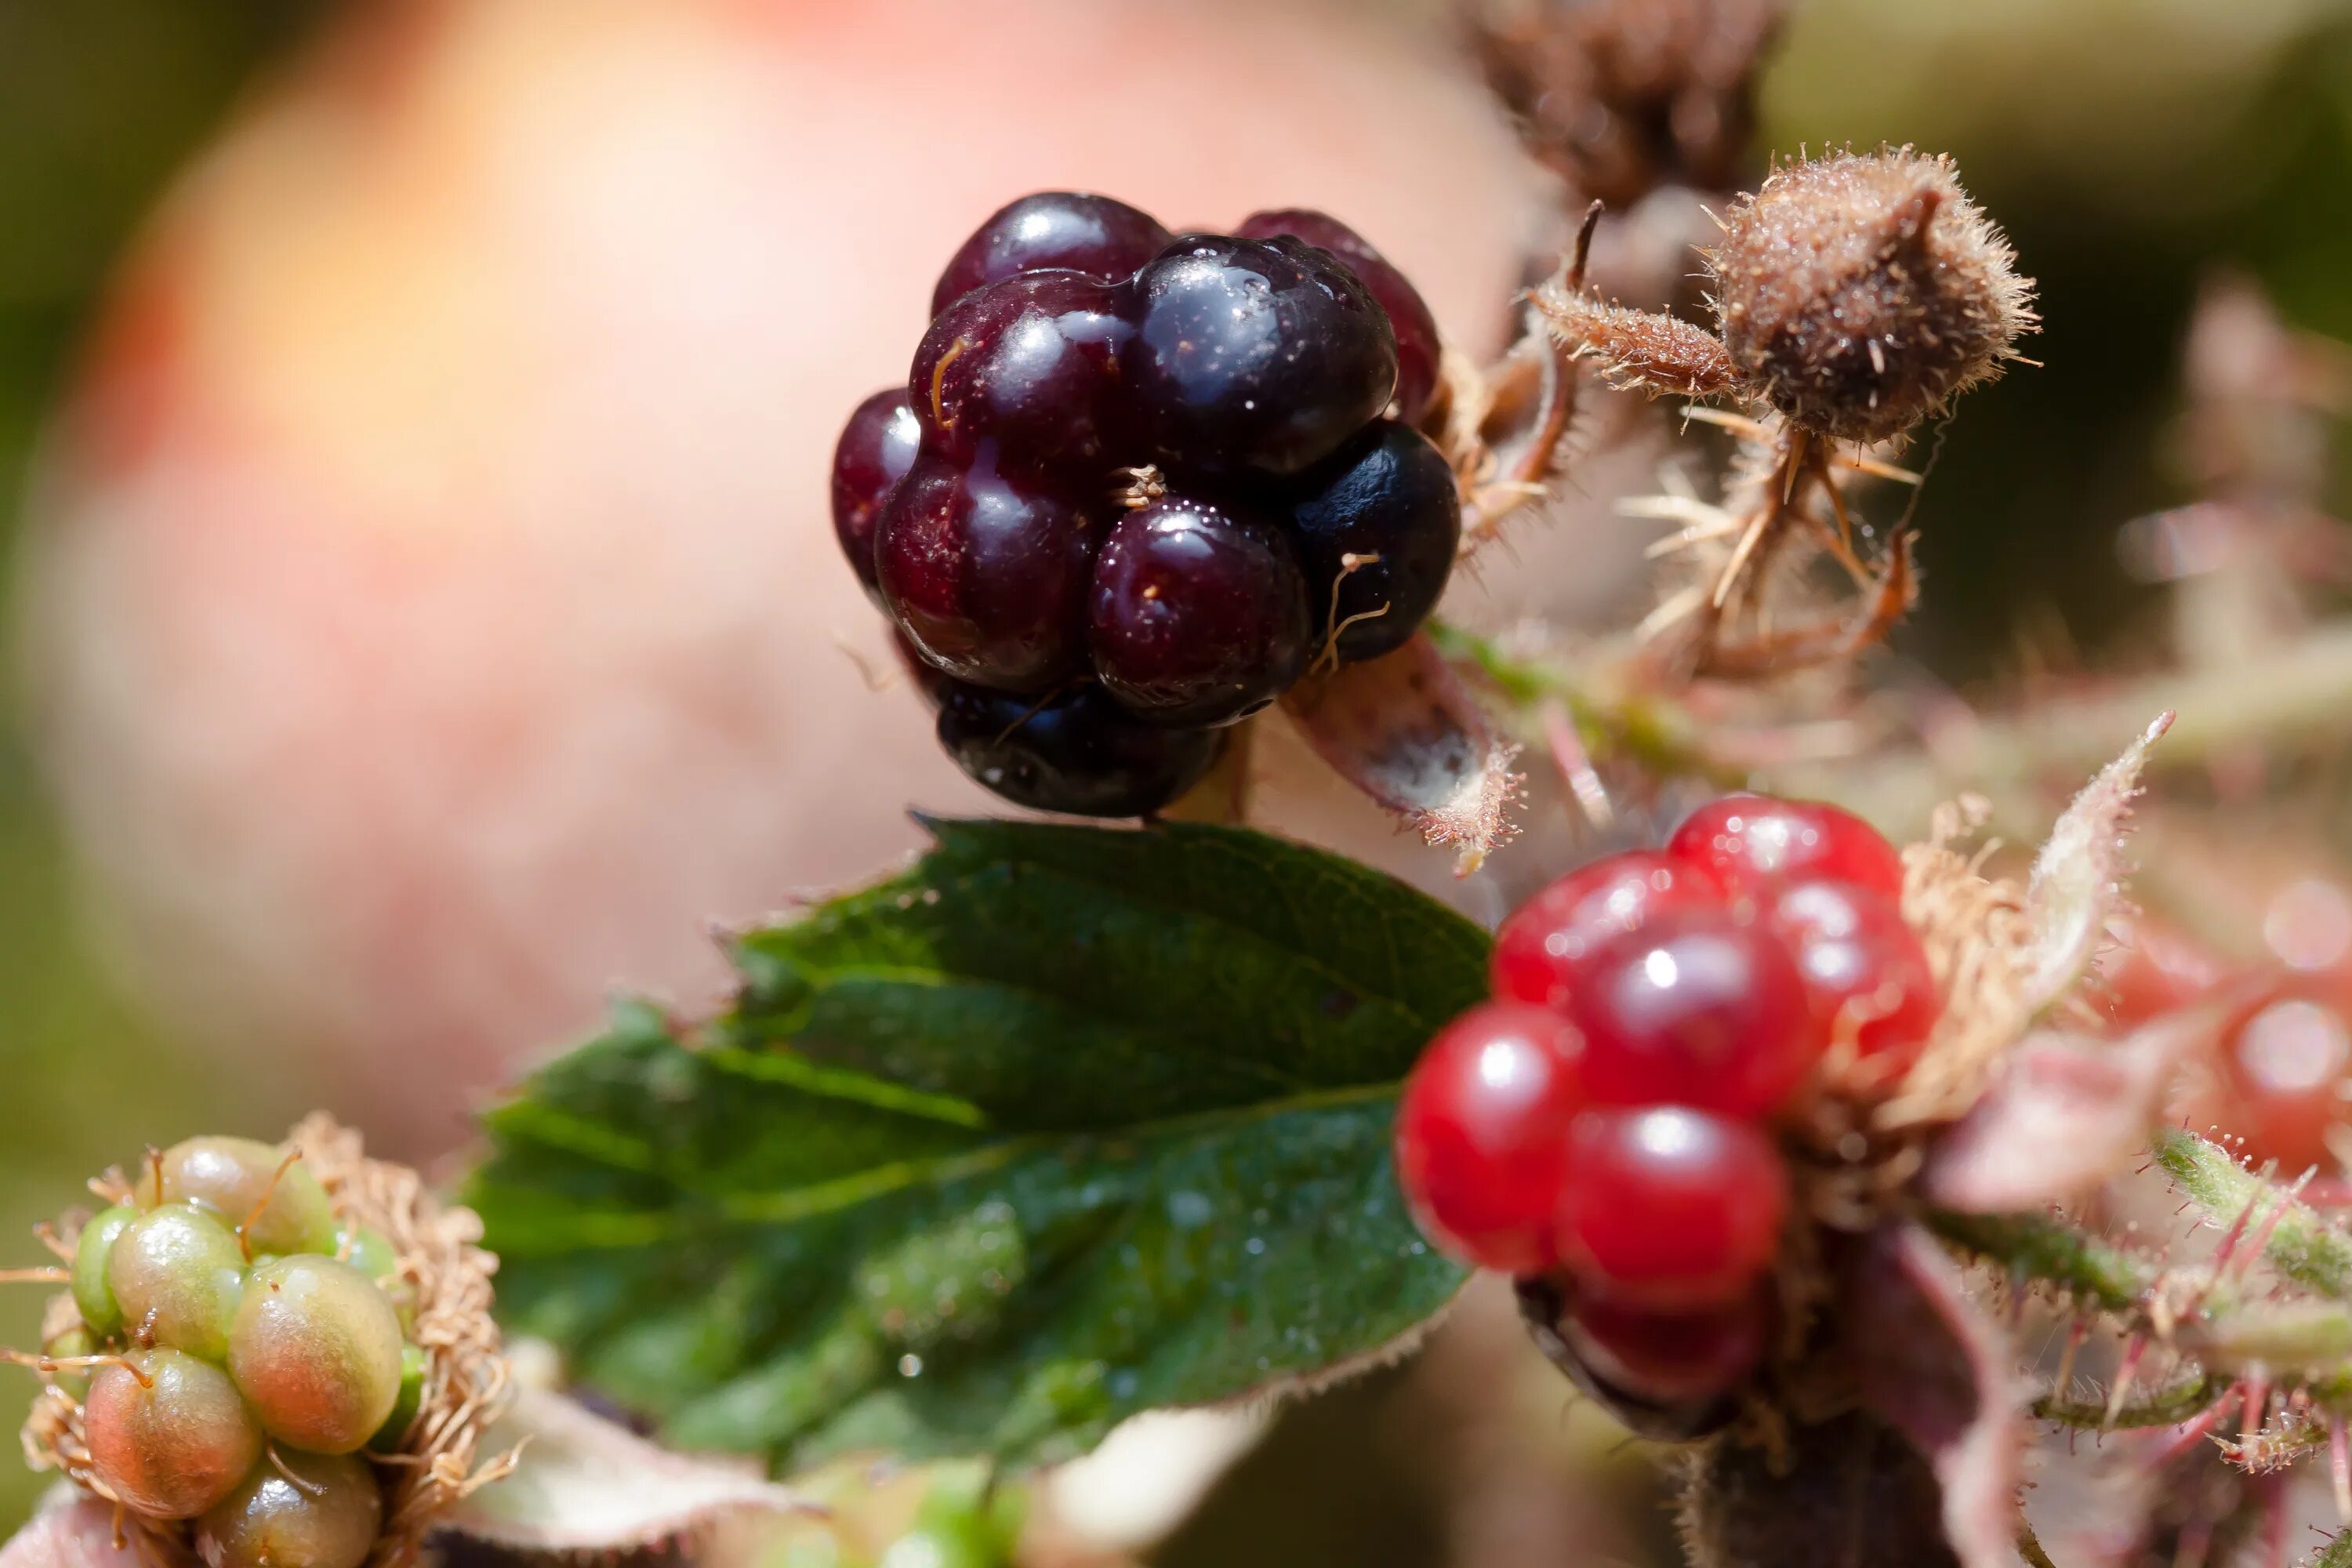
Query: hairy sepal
(2077, 879)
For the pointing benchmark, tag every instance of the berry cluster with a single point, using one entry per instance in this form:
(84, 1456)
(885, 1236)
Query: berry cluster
(1606, 1114)
(242, 1346)
(1137, 484)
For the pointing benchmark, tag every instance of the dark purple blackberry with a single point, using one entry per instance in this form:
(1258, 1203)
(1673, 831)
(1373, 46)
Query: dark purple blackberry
(1255, 354)
(986, 573)
(1030, 362)
(1408, 317)
(1078, 752)
(874, 450)
(1387, 501)
(1094, 235)
(1198, 614)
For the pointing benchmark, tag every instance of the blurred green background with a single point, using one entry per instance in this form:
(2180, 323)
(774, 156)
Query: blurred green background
(2127, 145)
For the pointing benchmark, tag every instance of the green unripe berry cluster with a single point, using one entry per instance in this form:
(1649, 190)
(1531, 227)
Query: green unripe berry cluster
(246, 1347)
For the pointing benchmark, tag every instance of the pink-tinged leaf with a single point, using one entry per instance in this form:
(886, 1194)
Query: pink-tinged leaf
(1934, 1368)
(2069, 1112)
(584, 1484)
(1404, 729)
(71, 1531)
(2077, 877)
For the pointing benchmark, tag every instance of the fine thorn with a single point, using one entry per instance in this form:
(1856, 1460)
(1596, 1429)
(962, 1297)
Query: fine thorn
(1584, 247)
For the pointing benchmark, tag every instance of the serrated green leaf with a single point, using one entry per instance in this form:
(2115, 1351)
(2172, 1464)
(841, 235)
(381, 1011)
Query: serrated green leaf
(1060, 1124)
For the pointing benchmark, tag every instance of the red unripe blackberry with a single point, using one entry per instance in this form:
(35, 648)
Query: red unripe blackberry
(177, 1274)
(1670, 1357)
(1198, 614)
(1482, 1135)
(1670, 1208)
(1755, 843)
(1540, 949)
(316, 1351)
(1409, 316)
(1858, 294)
(323, 1510)
(167, 1433)
(987, 573)
(1699, 1008)
(2284, 1072)
(273, 1203)
(1861, 963)
(1103, 238)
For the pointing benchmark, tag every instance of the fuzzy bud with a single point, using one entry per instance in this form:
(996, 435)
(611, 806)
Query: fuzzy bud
(1858, 294)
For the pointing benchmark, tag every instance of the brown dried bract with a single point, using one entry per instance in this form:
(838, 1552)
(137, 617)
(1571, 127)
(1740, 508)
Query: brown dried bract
(466, 1379)
(1857, 294)
(1622, 96)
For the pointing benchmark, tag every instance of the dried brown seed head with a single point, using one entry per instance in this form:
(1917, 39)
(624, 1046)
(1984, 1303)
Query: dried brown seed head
(1858, 293)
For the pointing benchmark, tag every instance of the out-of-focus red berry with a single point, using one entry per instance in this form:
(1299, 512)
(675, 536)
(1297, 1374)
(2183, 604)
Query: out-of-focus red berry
(1860, 959)
(1672, 1356)
(1539, 949)
(1754, 843)
(2153, 968)
(1482, 1135)
(2285, 1074)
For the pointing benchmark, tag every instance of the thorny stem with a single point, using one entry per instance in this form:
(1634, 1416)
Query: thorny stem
(2301, 1246)
(2167, 1407)
(2041, 1247)
(2337, 1553)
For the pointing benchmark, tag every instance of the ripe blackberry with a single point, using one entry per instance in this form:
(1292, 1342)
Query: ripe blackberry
(1030, 362)
(875, 449)
(1408, 317)
(986, 573)
(1077, 753)
(1255, 355)
(1377, 524)
(1199, 612)
(1103, 238)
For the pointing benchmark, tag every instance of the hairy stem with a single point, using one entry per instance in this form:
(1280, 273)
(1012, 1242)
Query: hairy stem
(2045, 1247)
(2300, 1245)
(2167, 1407)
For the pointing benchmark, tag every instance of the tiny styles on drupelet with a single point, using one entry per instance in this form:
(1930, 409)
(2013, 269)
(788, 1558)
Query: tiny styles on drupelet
(1603, 1129)
(1137, 484)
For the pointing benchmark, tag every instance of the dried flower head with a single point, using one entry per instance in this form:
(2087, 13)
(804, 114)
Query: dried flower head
(1858, 293)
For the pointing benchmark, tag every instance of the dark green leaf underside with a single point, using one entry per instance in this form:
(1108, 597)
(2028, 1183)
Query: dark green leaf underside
(1060, 1124)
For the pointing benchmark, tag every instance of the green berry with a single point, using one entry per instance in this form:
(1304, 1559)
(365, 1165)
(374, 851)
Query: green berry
(325, 1515)
(101, 1313)
(404, 1410)
(373, 1254)
(176, 1274)
(315, 1348)
(275, 1207)
(72, 1345)
(168, 1434)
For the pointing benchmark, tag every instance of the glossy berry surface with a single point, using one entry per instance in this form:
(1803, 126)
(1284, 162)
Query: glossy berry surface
(1755, 843)
(316, 1351)
(177, 1275)
(273, 1203)
(323, 1510)
(1668, 1206)
(1377, 524)
(1198, 614)
(1697, 1007)
(1540, 949)
(1078, 752)
(1669, 1356)
(168, 1434)
(875, 449)
(987, 574)
(1482, 1135)
(1260, 355)
(1410, 321)
(1864, 968)
(1030, 363)
(1104, 238)
(93, 1294)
